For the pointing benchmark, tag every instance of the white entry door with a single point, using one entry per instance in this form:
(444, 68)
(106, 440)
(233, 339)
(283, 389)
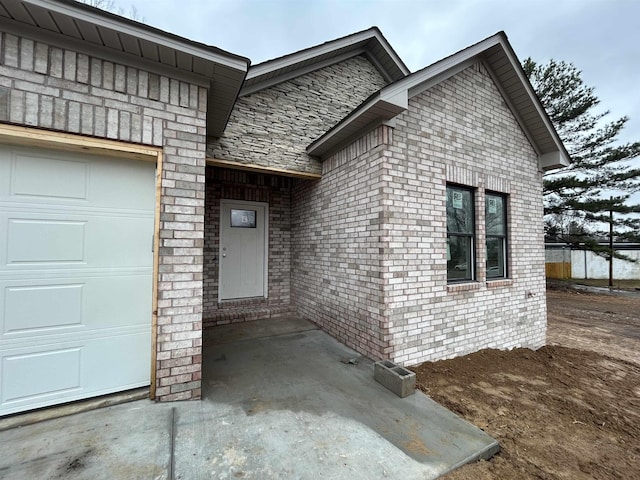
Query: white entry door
(243, 249)
(76, 267)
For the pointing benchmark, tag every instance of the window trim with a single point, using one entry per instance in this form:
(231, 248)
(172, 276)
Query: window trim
(503, 237)
(472, 235)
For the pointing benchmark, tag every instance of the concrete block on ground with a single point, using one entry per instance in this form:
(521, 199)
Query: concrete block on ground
(398, 379)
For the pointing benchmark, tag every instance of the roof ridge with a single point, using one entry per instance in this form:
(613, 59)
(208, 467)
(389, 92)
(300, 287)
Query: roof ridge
(318, 45)
(369, 42)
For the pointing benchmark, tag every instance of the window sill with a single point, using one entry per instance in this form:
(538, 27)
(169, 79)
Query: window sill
(463, 287)
(499, 282)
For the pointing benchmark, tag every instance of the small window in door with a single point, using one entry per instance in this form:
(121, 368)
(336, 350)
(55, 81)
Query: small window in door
(243, 218)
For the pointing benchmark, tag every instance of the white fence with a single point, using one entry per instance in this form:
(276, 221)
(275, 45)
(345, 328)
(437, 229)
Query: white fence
(584, 264)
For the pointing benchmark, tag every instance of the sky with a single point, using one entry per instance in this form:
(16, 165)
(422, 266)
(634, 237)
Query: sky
(600, 37)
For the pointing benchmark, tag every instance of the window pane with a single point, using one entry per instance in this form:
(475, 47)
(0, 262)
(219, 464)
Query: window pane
(494, 214)
(459, 210)
(459, 264)
(495, 258)
(243, 218)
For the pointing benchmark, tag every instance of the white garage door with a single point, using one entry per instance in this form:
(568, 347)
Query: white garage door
(76, 266)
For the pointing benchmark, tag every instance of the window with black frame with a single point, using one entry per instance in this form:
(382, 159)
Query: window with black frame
(460, 234)
(496, 235)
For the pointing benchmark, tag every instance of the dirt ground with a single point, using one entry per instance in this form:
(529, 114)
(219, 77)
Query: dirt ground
(570, 410)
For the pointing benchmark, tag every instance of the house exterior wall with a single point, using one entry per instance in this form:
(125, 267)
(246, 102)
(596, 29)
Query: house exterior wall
(53, 88)
(337, 245)
(461, 131)
(272, 127)
(369, 239)
(276, 192)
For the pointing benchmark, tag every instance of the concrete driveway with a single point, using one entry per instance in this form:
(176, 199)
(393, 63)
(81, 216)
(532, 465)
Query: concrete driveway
(282, 399)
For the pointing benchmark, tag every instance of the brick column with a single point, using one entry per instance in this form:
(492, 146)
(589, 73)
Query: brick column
(180, 276)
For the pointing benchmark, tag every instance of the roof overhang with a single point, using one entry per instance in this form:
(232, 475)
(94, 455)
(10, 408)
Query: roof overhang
(92, 31)
(370, 43)
(502, 64)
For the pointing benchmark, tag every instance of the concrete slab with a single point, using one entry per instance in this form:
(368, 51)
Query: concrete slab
(288, 406)
(236, 332)
(283, 406)
(121, 442)
(73, 408)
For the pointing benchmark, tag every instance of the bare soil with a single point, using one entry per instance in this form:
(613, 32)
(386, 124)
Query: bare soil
(607, 324)
(570, 410)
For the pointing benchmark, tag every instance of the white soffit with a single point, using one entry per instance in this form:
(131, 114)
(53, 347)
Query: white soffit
(92, 31)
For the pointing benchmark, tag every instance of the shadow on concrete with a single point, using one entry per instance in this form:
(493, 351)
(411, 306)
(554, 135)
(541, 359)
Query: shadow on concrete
(298, 398)
(279, 402)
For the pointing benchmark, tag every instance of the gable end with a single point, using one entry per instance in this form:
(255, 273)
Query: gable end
(502, 64)
(368, 43)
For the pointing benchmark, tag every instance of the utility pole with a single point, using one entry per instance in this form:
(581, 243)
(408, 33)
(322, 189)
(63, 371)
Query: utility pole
(611, 243)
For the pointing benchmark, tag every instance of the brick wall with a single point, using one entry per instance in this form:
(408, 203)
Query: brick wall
(239, 185)
(369, 240)
(273, 127)
(337, 248)
(49, 87)
(461, 131)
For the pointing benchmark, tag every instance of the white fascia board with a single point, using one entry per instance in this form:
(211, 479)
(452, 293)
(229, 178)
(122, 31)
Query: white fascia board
(553, 160)
(446, 68)
(298, 72)
(116, 56)
(288, 60)
(391, 53)
(563, 156)
(397, 99)
(376, 63)
(317, 51)
(123, 27)
(394, 104)
(436, 76)
(423, 79)
(513, 109)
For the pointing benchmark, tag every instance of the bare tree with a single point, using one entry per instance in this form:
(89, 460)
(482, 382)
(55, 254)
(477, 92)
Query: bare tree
(112, 7)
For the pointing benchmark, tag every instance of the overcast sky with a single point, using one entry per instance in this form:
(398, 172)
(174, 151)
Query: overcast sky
(600, 37)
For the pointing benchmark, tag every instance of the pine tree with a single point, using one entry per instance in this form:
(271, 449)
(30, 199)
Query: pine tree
(604, 173)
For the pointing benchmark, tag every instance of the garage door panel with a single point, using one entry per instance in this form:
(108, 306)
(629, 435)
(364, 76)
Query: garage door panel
(76, 264)
(135, 190)
(115, 301)
(128, 363)
(40, 240)
(120, 241)
(79, 306)
(33, 376)
(58, 240)
(73, 179)
(38, 376)
(41, 307)
(40, 178)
